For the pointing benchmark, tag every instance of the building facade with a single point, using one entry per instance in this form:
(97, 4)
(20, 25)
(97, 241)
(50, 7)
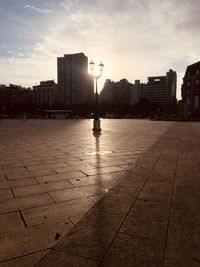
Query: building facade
(191, 89)
(158, 89)
(136, 89)
(14, 98)
(75, 85)
(116, 92)
(45, 93)
(106, 94)
(122, 92)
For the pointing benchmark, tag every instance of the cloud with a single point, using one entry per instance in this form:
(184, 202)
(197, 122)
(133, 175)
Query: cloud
(40, 10)
(134, 38)
(26, 71)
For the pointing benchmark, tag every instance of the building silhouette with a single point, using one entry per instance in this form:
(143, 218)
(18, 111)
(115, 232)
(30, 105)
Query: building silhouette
(191, 89)
(158, 89)
(122, 92)
(106, 94)
(14, 98)
(75, 85)
(136, 90)
(116, 92)
(45, 93)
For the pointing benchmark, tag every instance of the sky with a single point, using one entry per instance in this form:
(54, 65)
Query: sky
(133, 38)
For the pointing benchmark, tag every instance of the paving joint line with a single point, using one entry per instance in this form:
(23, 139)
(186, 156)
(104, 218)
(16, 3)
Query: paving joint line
(168, 222)
(130, 209)
(140, 236)
(51, 197)
(6, 177)
(23, 256)
(23, 220)
(12, 192)
(95, 260)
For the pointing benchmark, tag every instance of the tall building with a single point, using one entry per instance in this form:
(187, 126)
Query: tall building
(191, 88)
(162, 90)
(45, 93)
(75, 85)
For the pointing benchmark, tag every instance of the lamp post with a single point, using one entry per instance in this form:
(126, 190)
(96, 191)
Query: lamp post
(96, 123)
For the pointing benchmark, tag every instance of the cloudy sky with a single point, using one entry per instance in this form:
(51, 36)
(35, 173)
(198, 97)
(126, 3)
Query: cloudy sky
(134, 38)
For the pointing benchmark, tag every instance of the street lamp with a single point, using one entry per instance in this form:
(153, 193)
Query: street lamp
(96, 125)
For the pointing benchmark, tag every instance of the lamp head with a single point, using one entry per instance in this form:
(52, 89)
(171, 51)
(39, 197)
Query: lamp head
(91, 65)
(101, 65)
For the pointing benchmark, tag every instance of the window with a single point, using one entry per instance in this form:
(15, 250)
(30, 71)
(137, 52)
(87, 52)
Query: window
(187, 100)
(197, 81)
(197, 72)
(196, 101)
(188, 83)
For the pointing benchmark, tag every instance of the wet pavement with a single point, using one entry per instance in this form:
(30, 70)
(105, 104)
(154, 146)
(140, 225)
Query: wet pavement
(127, 197)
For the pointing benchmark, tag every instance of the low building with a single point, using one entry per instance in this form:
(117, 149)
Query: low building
(116, 92)
(122, 92)
(159, 89)
(15, 97)
(106, 94)
(191, 89)
(136, 90)
(45, 93)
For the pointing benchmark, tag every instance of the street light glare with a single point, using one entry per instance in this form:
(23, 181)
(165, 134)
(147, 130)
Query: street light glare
(91, 65)
(101, 65)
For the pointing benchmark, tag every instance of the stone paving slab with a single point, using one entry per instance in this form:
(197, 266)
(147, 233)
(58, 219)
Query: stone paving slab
(28, 174)
(130, 201)
(32, 239)
(41, 188)
(129, 250)
(157, 191)
(183, 244)
(39, 215)
(24, 202)
(108, 179)
(2, 177)
(110, 202)
(11, 222)
(147, 219)
(58, 258)
(60, 176)
(6, 194)
(17, 183)
(86, 239)
(77, 192)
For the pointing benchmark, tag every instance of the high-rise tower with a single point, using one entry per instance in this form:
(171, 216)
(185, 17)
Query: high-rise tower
(75, 85)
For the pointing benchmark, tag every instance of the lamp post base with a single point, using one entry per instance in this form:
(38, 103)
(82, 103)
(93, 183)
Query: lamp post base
(96, 125)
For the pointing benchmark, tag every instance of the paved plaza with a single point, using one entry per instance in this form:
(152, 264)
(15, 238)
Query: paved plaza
(127, 197)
